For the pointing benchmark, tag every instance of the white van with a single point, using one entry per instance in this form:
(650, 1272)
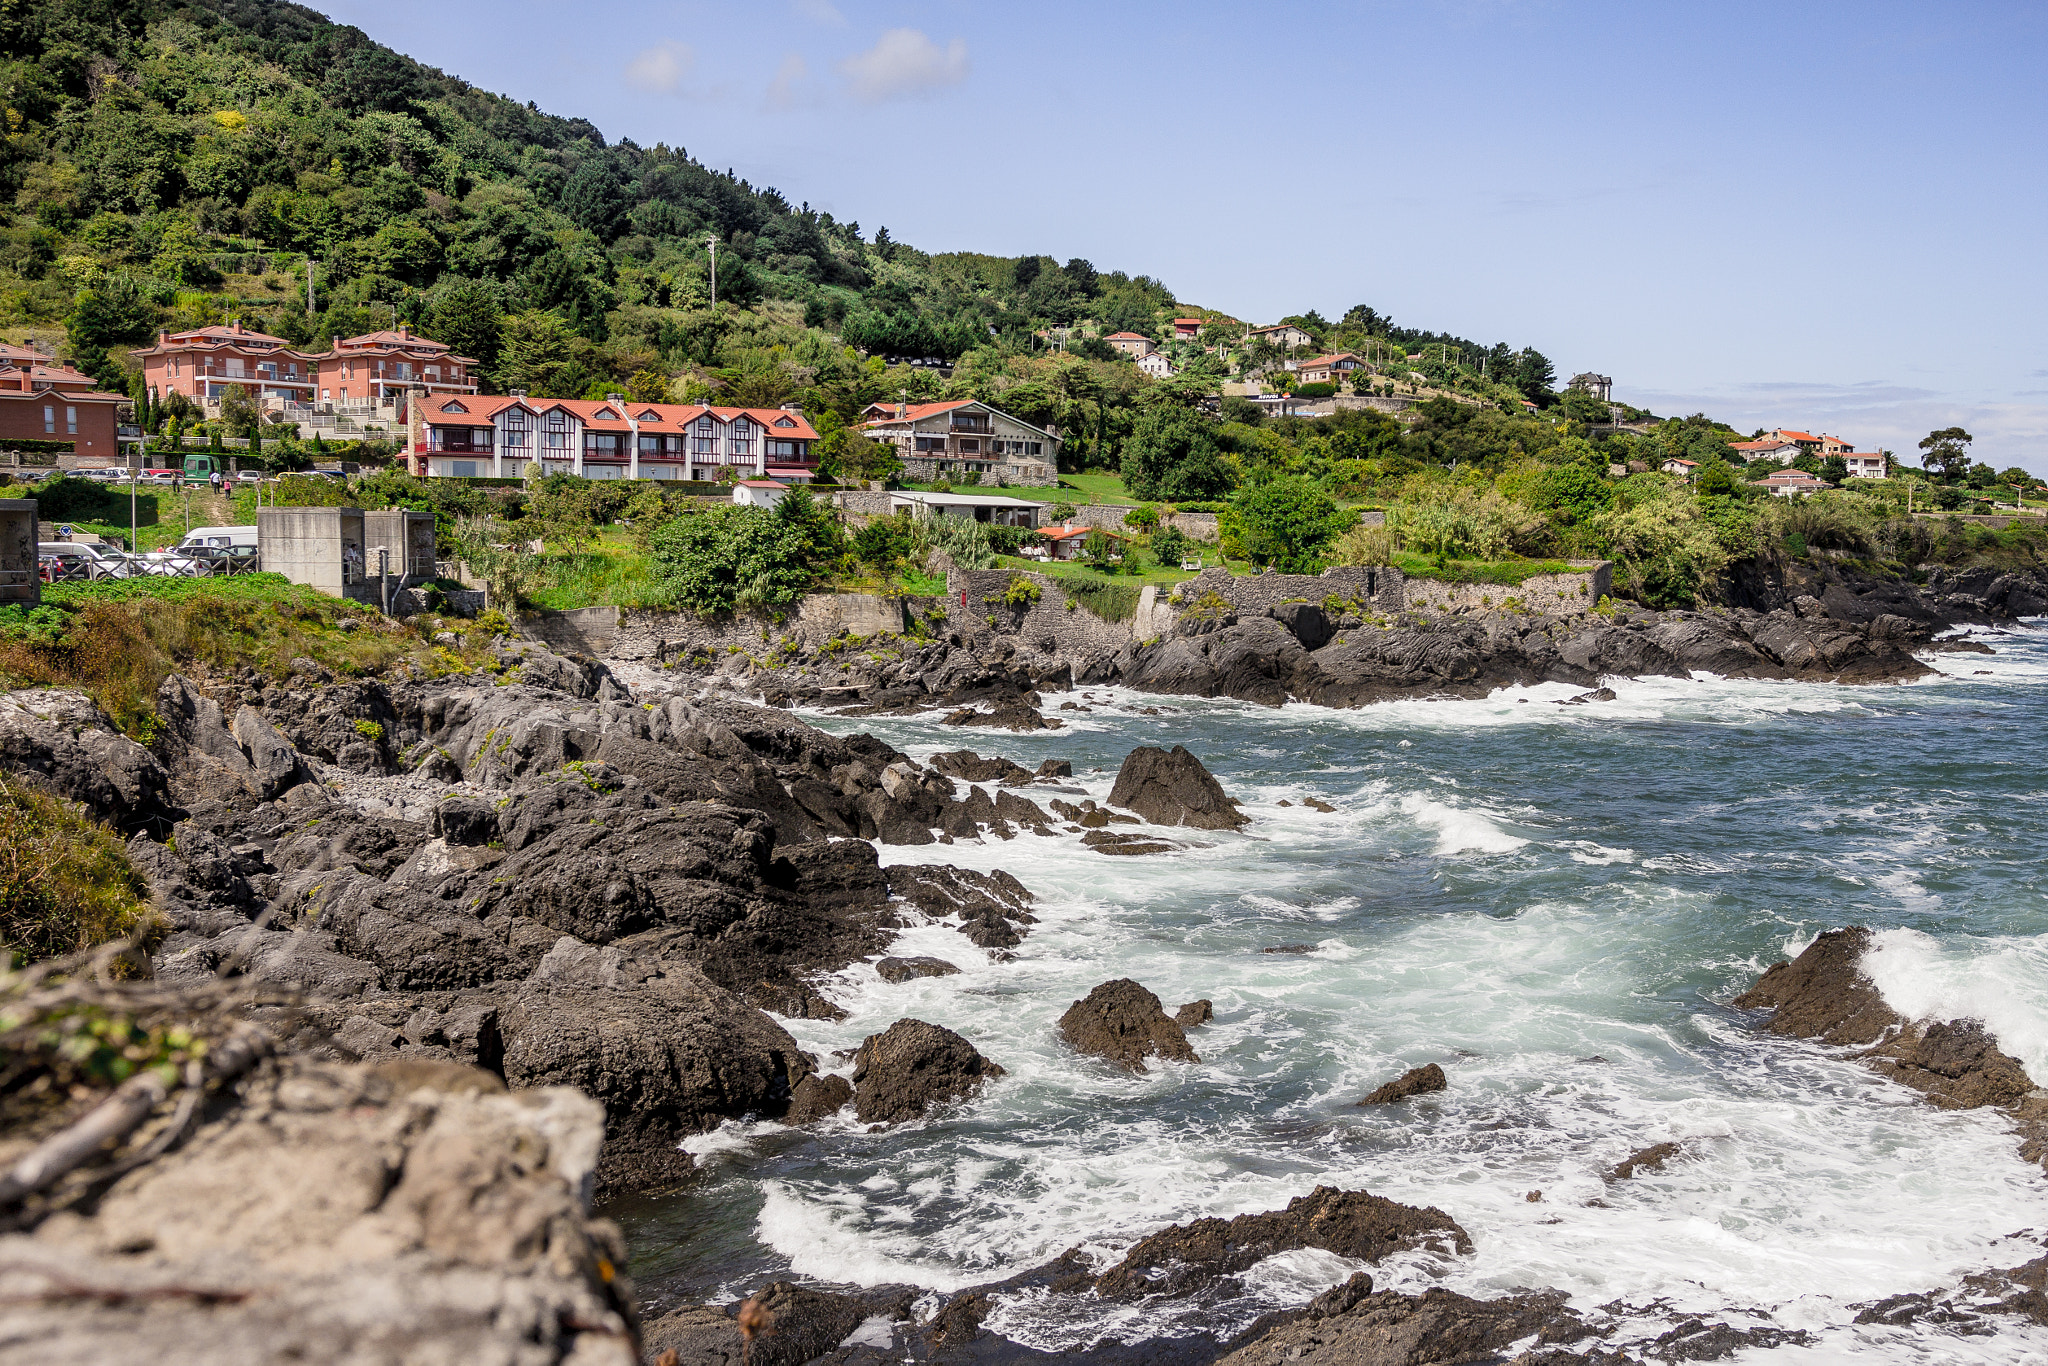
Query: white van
(218, 537)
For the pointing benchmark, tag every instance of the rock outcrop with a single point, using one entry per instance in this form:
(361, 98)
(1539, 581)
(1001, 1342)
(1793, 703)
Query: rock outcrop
(901, 1073)
(1171, 787)
(406, 1212)
(1391, 1329)
(1123, 1023)
(1648, 1159)
(1416, 1081)
(1356, 1224)
(1823, 994)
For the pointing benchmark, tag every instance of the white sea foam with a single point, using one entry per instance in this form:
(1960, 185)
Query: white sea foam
(2002, 981)
(1549, 958)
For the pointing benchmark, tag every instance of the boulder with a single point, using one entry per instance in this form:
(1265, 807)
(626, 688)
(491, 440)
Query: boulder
(1355, 1224)
(1416, 1081)
(817, 1096)
(61, 742)
(908, 969)
(1194, 1013)
(1122, 1022)
(276, 764)
(797, 1325)
(1393, 1329)
(1172, 788)
(993, 907)
(967, 766)
(899, 1074)
(327, 1212)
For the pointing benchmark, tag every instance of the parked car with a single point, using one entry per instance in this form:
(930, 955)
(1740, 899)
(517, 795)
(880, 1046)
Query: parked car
(163, 477)
(76, 561)
(249, 477)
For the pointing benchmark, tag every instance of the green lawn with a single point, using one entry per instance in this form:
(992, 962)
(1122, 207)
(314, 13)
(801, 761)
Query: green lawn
(1507, 573)
(610, 570)
(1096, 486)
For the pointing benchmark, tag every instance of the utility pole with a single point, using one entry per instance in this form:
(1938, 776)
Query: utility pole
(309, 284)
(712, 242)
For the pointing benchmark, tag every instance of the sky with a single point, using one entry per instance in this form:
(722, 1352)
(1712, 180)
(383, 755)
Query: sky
(1813, 215)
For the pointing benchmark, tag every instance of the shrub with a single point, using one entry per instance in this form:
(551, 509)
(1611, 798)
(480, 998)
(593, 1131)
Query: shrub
(1019, 592)
(1171, 546)
(65, 881)
(1364, 545)
(1109, 601)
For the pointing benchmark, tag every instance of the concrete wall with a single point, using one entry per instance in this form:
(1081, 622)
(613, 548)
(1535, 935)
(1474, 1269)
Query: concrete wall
(313, 546)
(583, 630)
(19, 581)
(408, 535)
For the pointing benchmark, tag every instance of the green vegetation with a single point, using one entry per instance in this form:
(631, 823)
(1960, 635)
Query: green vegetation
(732, 558)
(118, 639)
(65, 881)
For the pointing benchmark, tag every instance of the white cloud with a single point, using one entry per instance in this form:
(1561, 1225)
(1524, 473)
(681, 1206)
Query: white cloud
(782, 91)
(662, 68)
(905, 63)
(821, 12)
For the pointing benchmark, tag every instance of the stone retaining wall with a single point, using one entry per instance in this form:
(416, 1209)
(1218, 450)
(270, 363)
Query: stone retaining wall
(1376, 588)
(1544, 595)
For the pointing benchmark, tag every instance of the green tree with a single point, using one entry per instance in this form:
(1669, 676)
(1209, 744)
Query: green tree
(115, 311)
(1286, 522)
(534, 355)
(1946, 451)
(1171, 457)
(238, 410)
(733, 559)
(466, 316)
(594, 200)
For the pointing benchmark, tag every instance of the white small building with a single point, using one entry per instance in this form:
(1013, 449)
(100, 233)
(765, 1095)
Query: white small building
(979, 507)
(1793, 484)
(758, 493)
(1155, 364)
(1681, 467)
(1865, 464)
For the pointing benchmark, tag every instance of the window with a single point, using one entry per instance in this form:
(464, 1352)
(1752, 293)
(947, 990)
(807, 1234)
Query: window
(650, 445)
(515, 429)
(650, 416)
(49, 420)
(601, 443)
(968, 443)
(792, 450)
(931, 443)
(556, 437)
(462, 469)
(785, 422)
(604, 415)
(453, 408)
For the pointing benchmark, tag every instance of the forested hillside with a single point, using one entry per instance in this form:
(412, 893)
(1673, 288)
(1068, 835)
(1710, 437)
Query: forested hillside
(171, 163)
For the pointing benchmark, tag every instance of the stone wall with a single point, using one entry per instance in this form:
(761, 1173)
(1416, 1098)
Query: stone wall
(655, 636)
(1377, 588)
(1007, 473)
(1544, 595)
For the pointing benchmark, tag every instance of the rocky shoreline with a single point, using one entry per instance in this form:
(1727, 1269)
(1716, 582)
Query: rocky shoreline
(487, 897)
(1327, 642)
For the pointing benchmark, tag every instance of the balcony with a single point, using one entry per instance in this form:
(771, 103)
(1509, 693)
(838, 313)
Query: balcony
(974, 425)
(458, 442)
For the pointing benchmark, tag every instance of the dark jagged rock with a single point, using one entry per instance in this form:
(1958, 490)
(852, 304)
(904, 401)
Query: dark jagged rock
(993, 907)
(1018, 718)
(1823, 994)
(817, 1096)
(969, 767)
(60, 742)
(1173, 788)
(1355, 1224)
(909, 969)
(1124, 842)
(1698, 1340)
(1416, 1081)
(902, 1072)
(1194, 1013)
(803, 1325)
(1056, 768)
(1649, 1159)
(1123, 1023)
(1597, 695)
(1391, 1329)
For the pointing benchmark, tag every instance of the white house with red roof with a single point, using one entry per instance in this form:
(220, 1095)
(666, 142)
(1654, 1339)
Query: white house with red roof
(474, 436)
(1865, 464)
(1813, 443)
(758, 493)
(1327, 369)
(1132, 344)
(1187, 329)
(1155, 364)
(1769, 450)
(937, 441)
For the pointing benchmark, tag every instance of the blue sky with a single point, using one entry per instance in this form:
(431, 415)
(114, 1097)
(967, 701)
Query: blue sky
(1823, 215)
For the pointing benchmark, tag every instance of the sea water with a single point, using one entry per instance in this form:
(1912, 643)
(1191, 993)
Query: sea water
(1554, 902)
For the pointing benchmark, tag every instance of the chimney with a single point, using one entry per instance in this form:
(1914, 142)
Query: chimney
(901, 409)
(515, 393)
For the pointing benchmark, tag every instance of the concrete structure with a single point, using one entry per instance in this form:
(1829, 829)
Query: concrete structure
(408, 536)
(1132, 344)
(41, 400)
(1155, 364)
(939, 440)
(322, 548)
(470, 436)
(19, 581)
(379, 367)
(204, 363)
(981, 507)
(758, 493)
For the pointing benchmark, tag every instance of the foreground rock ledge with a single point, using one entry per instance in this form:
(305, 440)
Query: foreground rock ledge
(413, 1212)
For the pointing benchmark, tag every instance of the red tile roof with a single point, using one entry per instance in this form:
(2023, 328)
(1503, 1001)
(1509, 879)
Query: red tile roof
(780, 423)
(914, 412)
(1127, 336)
(1067, 533)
